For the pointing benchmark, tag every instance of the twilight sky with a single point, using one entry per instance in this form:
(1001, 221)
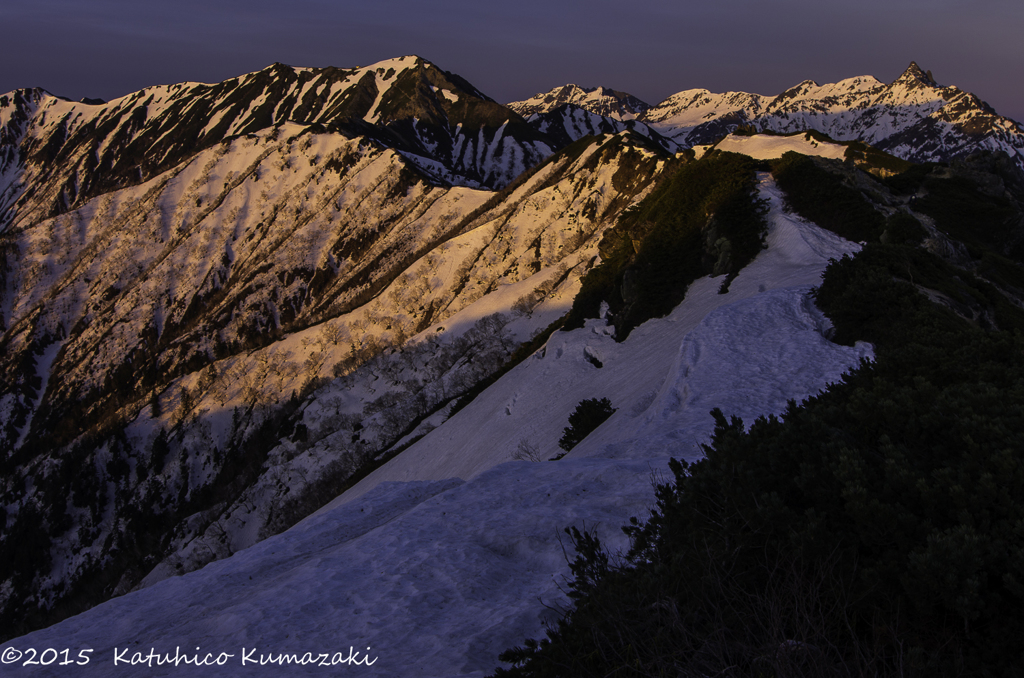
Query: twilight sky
(650, 48)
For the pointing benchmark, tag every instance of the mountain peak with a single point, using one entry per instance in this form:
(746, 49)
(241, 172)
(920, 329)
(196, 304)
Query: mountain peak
(407, 61)
(915, 73)
(600, 100)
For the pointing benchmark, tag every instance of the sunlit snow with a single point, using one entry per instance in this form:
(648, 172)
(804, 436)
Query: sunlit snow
(767, 147)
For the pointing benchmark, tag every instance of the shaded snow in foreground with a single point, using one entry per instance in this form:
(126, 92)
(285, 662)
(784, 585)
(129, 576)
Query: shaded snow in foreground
(450, 553)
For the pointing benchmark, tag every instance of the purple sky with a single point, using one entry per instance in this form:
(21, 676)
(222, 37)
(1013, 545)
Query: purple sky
(650, 48)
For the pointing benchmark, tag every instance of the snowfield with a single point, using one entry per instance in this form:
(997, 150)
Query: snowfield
(765, 147)
(451, 553)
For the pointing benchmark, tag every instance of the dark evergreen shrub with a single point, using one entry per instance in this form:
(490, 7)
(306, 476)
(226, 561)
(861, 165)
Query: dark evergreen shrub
(587, 416)
(702, 219)
(874, 159)
(821, 196)
(903, 229)
(979, 220)
(161, 448)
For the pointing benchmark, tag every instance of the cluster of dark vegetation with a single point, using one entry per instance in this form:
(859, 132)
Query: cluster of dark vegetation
(978, 202)
(873, 160)
(587, 416)
(824, 198)
(702, 219)
(874, 529)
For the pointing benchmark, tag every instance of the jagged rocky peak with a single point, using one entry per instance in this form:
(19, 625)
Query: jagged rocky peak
(419, 89)
(18, 98)
(803, 87)
(383, 92)
(915, 74)
(378, 93)
(16, 108)
(600, 100)
(844, 91)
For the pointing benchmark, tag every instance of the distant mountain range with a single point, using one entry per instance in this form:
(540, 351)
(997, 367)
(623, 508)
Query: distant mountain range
(54, 154)
(221, 306)
(913, 117)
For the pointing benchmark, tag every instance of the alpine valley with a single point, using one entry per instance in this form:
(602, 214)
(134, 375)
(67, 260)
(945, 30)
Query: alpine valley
(285, 360)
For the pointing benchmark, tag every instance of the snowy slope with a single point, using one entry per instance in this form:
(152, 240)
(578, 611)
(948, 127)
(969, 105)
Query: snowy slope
(438, 572)
(571, 122)
(484, 292)
(490, 429)
(698, 116)
(767, 147)
(280, 309)
(207, 257)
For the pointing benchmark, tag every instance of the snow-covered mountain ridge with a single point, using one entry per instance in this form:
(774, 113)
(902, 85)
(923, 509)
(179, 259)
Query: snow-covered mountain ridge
(913, 117)
(571, 122)
(223, 306)
(54, 154)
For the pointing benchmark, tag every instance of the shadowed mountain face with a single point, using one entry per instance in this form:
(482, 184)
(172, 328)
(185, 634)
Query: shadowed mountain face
(571, 122)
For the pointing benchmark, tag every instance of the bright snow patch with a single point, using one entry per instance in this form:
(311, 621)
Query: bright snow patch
(446, 93)
(768, 147)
